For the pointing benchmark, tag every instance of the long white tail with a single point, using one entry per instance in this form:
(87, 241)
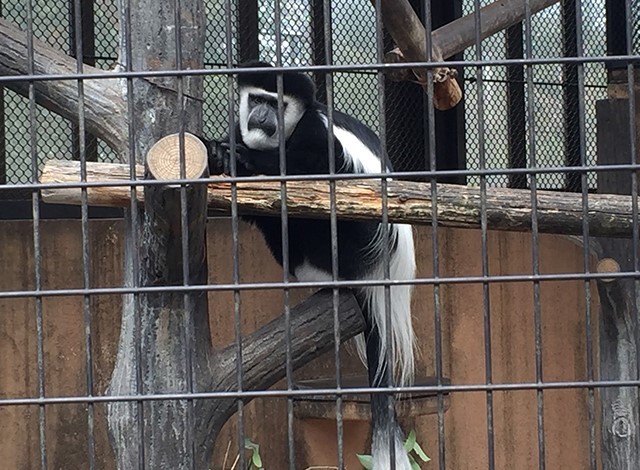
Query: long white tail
(402, 267)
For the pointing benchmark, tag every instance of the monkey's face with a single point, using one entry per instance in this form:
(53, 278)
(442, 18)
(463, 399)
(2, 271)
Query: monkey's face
(259, 118)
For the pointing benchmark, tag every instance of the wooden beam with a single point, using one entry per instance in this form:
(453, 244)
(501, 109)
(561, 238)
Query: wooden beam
(407, 32)
(264, 351)
(409, 202)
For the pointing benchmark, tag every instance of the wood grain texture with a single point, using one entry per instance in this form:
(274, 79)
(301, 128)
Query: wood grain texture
(103, 105)
(409, 202)
(460, 34)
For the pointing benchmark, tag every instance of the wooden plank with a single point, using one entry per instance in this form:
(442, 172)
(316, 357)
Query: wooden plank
(265, 419)
(618, 302)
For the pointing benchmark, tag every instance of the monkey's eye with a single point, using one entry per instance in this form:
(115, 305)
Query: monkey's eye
(257, 99)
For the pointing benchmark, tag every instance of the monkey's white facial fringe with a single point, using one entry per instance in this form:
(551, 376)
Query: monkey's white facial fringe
(256, 138)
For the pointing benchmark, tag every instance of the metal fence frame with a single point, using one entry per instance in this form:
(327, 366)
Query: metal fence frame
(521, 176)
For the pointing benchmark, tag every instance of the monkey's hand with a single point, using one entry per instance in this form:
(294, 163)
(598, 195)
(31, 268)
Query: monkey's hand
(220, 156)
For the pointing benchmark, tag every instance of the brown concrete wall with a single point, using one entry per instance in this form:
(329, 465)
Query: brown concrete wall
(512, 336)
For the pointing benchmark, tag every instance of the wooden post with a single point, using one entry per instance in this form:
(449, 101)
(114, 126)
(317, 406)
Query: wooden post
(618, 303)
(174, 347)
(516, 105)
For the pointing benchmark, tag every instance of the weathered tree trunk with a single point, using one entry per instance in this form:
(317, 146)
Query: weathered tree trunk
(164, 341)
(407, 201)
(618, 303)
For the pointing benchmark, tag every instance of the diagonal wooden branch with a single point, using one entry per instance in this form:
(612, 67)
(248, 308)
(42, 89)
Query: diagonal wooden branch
(409, 34)
(104, 106)
(264, 356)
(409, 202)
(456, 36)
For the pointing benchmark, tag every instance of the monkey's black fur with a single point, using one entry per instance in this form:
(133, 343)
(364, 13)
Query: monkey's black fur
(309, 241)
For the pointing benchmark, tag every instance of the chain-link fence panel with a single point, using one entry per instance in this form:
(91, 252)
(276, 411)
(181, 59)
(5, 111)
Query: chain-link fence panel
(551, 124)
(50, 25)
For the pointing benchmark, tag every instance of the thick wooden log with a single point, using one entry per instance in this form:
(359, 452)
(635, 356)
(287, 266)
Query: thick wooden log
(619, 298)
(174, 350)
(103, 105)
(409, 34)
(409, 202)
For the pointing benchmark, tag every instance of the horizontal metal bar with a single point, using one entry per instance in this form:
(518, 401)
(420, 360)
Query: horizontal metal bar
(324, 284)
(315, 68)
(319, 177)
(334, 392)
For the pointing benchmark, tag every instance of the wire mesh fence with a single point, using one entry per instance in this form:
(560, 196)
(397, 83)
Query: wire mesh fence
(519, 338)
(353, 37)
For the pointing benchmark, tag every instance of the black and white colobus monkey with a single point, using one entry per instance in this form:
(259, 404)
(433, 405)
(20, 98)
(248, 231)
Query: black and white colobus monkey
(360, 244)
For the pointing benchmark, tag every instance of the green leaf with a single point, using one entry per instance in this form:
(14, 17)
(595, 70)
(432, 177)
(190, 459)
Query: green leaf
(366, 461)
(249, 445)
(414, 464)
(256, 460)
(411, 441)
(418, 450)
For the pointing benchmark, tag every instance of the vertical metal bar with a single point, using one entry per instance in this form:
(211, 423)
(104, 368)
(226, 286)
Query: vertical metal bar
(328, 81)
(235, 226)
(81, 22)
(248, 30)
(433, 165)
(516, 107)
(404, 114)
(384, 224)
(534, 238)
(184, 232)
(484, 245)
(284, 217)
(37, 255)
(132, 226)
(570, 94)
(449, 125)
(585, 230)
(84, 208)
